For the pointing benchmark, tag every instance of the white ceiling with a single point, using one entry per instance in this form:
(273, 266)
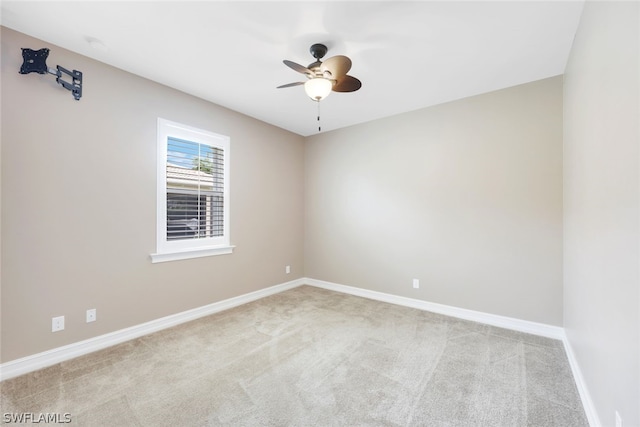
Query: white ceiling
(408, 55)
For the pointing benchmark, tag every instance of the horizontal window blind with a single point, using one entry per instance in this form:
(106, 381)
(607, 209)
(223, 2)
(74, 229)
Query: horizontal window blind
(195, 190)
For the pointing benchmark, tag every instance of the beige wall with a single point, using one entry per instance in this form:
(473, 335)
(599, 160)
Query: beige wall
(79, 203)
(464, 196)
(602, 206)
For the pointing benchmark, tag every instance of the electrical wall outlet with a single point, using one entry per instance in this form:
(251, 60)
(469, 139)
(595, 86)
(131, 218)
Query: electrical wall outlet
(287, 269)
(618, 420)
(57, 324)
(416, 283)
(91, 315)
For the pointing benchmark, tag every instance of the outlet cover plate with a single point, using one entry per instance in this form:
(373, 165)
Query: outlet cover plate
(91, 315)
(57, 324)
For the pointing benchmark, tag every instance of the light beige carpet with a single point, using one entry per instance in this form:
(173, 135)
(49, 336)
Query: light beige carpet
(311, 357)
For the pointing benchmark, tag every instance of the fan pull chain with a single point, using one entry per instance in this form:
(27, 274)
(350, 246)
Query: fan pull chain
(319, 127)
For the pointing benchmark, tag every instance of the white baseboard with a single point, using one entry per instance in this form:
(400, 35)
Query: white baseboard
(37, 361)
(541, 329)
(585, 396)
(34, 362)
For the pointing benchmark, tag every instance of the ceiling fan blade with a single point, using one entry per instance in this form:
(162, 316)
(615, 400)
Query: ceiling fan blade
(347, 84)
(338, 66)
(297, 67)
(290, 85)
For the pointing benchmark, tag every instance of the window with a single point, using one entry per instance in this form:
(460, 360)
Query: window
(193, 193)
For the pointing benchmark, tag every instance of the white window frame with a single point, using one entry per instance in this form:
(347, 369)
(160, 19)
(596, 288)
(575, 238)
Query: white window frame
(171, 250)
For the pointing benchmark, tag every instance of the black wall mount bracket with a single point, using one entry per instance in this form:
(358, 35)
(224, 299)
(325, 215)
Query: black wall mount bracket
(35, 61)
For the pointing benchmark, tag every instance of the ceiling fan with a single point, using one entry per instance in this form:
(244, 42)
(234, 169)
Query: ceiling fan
(324, 77)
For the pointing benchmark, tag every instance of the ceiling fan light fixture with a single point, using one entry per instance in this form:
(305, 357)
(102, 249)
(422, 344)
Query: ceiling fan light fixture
(318, 88)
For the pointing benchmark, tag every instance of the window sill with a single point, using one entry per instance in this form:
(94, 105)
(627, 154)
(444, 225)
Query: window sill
(191, 253)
